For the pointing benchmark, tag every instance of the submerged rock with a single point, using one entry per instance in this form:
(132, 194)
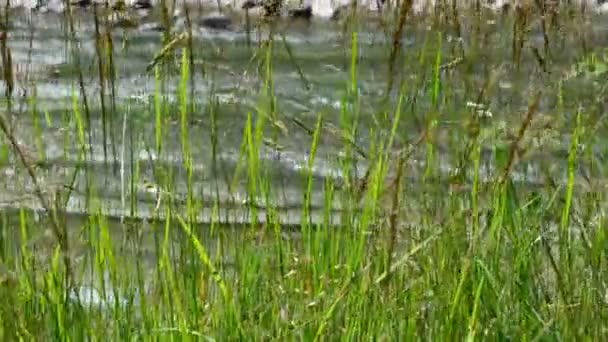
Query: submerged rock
(216, 22)
(81, 3)
(250, 4)
(301, 13)
(142, 4)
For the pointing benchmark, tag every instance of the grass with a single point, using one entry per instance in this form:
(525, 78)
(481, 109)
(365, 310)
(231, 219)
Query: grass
(414, 253)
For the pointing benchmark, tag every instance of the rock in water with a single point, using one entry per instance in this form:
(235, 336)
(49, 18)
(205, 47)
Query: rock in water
(249, 4)
(301, 13)
(81, 3)
(216, 22)
(142, 4)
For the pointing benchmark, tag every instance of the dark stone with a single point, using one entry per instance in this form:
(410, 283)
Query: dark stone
(249, 4)
(216, 22)
(40, 6)
(81, 3)
(301, 13)
(142, 4)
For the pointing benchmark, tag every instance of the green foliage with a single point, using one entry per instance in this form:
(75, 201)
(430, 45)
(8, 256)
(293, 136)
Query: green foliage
(401, 250)
(4, 154)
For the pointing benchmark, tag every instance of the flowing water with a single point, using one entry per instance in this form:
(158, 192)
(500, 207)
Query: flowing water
(311, 72)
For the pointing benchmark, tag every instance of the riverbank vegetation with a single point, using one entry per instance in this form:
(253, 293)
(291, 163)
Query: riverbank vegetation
(508, 241)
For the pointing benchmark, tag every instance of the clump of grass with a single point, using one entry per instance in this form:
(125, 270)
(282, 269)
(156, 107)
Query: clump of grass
(415, 252)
